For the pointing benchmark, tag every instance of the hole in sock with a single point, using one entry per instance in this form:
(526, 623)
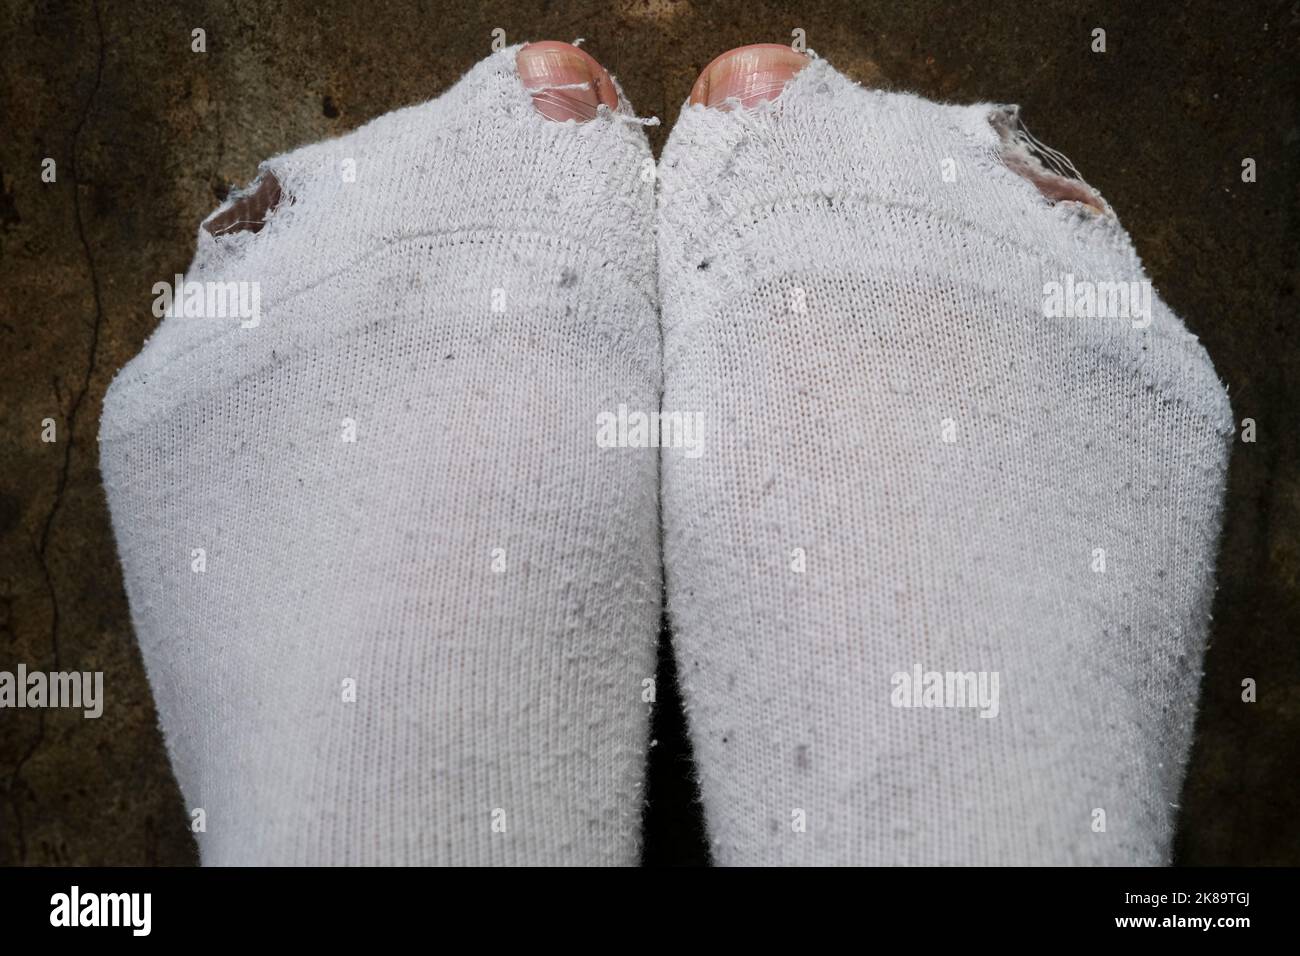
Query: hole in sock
(250, 211)
(1048, 169)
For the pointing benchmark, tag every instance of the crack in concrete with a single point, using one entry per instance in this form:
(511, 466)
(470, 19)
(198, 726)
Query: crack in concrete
(41, 546)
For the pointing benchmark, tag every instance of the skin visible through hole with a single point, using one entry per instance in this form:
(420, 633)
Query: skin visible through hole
(1053, 187)
(248, 213)
(1018, 155)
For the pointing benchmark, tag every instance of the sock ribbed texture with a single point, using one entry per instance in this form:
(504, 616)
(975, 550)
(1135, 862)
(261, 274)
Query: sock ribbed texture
(463, 286)
(908, 467)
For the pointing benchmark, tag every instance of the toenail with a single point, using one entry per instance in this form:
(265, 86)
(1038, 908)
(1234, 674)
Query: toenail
(750, 74)
(566, 83)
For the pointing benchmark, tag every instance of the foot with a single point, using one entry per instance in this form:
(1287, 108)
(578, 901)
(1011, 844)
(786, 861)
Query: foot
(920, 465)
(395, 603)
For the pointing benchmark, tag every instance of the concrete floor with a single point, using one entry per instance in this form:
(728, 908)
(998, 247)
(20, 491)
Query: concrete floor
(148, 137)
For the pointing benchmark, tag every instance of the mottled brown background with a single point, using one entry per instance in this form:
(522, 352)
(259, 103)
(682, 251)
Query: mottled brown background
(149, 136)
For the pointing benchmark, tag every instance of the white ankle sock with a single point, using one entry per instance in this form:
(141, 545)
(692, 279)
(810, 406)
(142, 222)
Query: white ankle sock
(464, 286)
(853, 292)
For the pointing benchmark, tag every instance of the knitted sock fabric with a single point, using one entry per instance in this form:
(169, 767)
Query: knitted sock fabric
(395, 603)
(908, 470)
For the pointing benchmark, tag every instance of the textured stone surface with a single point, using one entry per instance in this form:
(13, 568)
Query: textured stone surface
(149, 136)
